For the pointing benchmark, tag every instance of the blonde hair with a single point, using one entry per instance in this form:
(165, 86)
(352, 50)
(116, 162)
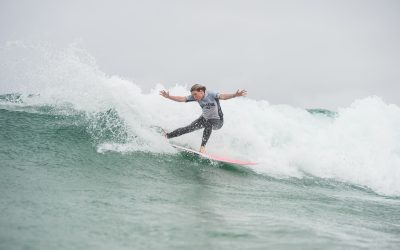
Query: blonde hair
(198, 87)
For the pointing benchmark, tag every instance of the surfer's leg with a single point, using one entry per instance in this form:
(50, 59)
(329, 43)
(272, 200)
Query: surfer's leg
(197, 124)
(206, 134)
(211, 124)
(216, 123)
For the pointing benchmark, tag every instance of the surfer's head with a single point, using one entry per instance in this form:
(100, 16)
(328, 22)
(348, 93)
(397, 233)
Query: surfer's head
(198, 91)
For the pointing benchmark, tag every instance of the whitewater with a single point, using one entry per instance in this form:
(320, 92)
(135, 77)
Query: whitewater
(350, 155)
(359, 144)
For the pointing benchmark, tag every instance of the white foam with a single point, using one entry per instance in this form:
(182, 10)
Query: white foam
(361, 145)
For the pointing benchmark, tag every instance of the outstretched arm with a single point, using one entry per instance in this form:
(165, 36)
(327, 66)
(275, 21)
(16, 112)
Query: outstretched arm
(229, 96)
(174, 98)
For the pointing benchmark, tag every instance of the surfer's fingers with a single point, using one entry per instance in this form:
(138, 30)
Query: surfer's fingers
(164, 93)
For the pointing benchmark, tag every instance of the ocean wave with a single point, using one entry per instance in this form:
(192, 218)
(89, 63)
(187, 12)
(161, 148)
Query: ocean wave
(359, 144)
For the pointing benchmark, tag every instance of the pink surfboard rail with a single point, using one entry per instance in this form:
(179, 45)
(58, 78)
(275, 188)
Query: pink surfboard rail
(214, 157)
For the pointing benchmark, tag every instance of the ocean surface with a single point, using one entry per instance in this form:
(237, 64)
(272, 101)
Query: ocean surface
(82, 167)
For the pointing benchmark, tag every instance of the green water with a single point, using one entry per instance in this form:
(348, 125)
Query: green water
(59, 192)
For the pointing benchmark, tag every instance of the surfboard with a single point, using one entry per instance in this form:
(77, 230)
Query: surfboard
(205, 155)
(213, 157)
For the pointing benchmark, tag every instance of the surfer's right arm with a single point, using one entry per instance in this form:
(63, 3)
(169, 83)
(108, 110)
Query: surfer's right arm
(174, 98)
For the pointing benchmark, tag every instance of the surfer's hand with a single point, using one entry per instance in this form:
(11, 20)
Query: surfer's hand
(240, 93)
(164, 93)
(202, 149)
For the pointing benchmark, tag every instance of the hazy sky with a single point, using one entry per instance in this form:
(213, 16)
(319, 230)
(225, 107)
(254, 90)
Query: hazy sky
(302, 53)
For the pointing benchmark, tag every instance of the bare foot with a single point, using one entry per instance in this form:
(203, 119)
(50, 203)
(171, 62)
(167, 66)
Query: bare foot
(164, 133)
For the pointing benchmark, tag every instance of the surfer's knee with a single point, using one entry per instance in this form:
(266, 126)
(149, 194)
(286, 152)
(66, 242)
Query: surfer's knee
(217, 125)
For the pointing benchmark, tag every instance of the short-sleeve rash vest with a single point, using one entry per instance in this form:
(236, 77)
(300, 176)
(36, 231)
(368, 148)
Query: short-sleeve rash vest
(209, 104)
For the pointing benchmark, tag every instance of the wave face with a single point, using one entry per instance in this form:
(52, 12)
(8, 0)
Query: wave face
(359, 144)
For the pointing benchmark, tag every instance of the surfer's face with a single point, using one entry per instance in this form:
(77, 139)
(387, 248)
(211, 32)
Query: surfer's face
(198, 95)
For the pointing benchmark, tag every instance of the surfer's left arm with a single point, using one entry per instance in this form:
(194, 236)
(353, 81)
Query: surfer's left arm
(229, 96)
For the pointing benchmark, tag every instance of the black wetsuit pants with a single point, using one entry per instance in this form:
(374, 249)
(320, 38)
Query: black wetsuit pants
(201, 122)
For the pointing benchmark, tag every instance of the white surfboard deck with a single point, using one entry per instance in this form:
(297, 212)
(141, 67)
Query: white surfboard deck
(213, 157)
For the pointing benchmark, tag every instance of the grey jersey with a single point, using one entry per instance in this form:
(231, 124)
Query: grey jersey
(209, 104)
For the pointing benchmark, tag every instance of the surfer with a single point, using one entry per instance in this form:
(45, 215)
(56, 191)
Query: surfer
(212, 117)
